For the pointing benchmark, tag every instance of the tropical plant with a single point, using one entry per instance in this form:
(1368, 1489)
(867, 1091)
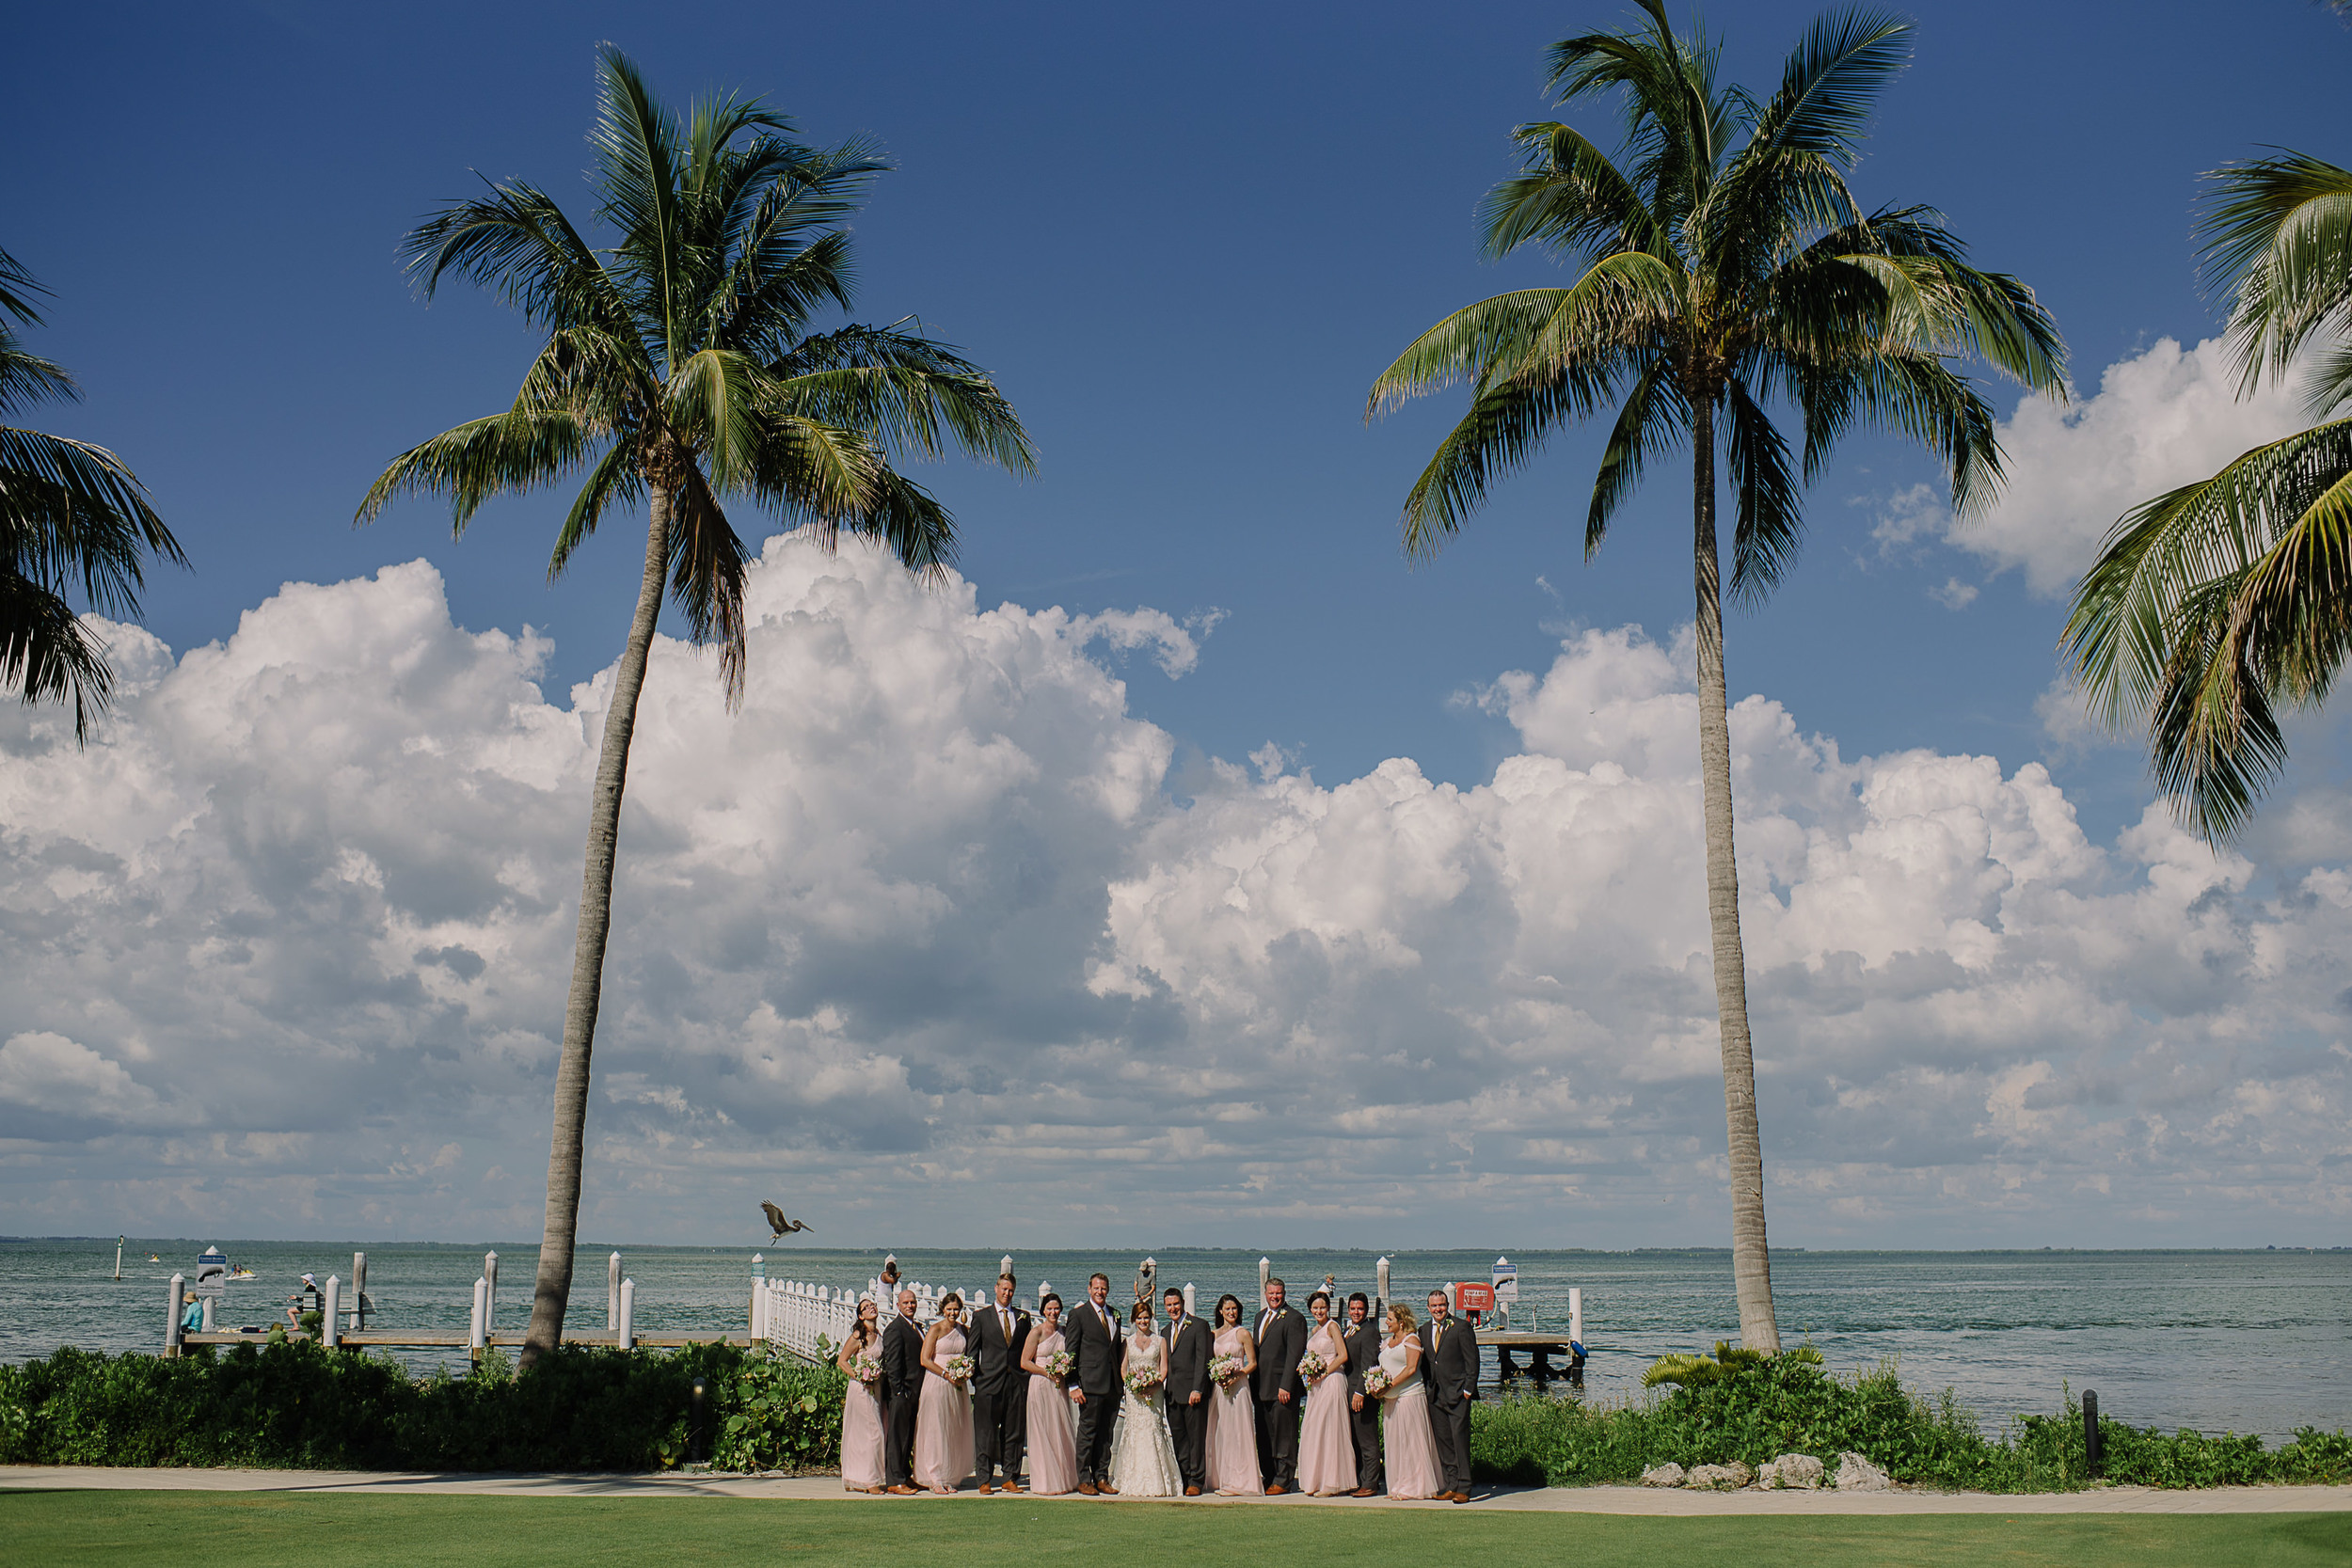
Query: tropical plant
(71, 515)
(1725, 264)
(680, 370)
(2213, 606)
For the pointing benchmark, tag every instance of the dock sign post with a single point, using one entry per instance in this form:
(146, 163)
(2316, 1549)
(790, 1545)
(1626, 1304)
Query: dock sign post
(1506, 1282)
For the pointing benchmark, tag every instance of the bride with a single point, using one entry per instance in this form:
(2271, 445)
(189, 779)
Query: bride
(1143, 1459)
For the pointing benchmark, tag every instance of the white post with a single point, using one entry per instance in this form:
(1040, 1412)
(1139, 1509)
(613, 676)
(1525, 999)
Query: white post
(172, 1315)
(759, 1296)
(1044, 1290)
(626, 1336)
(1265, 1267)
(490, 1273)
(206, 1326)
(1191, 1310)
(1006, 1266)
(120, 1242)
(1576, 1314)
(478, 1332)
(330, 1320)
(612, 1294)
(1381, 1289)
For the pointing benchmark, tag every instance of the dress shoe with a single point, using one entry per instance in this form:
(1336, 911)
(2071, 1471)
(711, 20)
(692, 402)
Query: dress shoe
(1012, 1489)
(1087, 1489)
(1106, 1488)
(1192, 1491)
(902, 1490)
(1363, 1491)
(1460, 1496)
(1275, 1490)
(988, 1489)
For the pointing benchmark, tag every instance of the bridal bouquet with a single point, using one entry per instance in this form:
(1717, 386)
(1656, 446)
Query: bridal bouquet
(1225, 1371)
(1140, 1383)
(959, 1369)
(1313, 1367)
(867, 1367)
(1377, 1382)
(1060, 1365)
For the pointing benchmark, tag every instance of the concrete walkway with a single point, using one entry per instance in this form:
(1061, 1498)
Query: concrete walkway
(1554, 1499)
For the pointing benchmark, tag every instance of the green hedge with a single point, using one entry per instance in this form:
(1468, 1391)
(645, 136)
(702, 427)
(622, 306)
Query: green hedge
(1792, 1405)
(295, 1404)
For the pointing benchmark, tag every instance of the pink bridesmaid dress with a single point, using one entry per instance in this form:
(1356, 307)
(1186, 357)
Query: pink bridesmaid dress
(943, 1423)
(861, 1437)
(1232, 1427)
(1326, 1453)
(1053, 1430)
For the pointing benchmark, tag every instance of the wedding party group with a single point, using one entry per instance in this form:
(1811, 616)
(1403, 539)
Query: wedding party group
(1160, 1407)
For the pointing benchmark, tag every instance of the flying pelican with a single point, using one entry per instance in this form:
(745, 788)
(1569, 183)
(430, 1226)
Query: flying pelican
(777, 1223)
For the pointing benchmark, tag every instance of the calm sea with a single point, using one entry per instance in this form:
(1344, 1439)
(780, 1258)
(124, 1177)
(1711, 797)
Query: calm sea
(2240, 1342)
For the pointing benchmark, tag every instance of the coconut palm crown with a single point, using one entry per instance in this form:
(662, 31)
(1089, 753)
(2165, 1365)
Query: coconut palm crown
(72, 516)
(1724, 268)
(2213, 606)
(680, 370)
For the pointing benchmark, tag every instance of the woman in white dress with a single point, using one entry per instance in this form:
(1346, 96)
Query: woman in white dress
(1408, 1447)
(1143, 1458)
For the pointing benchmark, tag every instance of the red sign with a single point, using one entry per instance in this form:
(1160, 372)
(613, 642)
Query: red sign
(1472, 1296)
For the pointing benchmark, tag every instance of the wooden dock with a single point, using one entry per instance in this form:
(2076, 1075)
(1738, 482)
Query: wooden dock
(460, 1340)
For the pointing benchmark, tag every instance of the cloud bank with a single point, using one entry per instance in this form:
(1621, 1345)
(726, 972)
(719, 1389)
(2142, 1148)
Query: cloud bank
(921, 933)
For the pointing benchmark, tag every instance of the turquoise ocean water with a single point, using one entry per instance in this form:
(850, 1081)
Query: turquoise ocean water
(2253, 1341)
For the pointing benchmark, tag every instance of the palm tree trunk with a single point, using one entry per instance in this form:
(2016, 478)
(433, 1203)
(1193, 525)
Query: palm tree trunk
(554, 1285)
(1751, 1262)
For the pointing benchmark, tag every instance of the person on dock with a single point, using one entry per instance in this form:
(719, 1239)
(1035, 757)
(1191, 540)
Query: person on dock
(1448, 1365)
(1281, 1339)
(902, 1392)
(1363, 1354)
(1000, 1394)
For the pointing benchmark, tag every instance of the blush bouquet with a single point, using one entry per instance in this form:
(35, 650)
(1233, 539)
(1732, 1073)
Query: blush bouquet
(959, 1369)
(1140, 1383)
(1060, 1365)
(1225, 1371)
(1314, 1368)
(1377, 1382)
(867, 1367)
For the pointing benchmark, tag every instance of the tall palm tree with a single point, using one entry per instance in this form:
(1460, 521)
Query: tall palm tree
(1724, 264)
(2213, 606)
(680, 369)
(71, 515)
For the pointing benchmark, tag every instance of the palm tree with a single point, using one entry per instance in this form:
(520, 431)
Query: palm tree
(680, 369)
(1725, 263)
(70, 514)
(2211, 606)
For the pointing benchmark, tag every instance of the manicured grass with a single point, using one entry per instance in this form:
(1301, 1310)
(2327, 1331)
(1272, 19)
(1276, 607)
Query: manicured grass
(59, 1530)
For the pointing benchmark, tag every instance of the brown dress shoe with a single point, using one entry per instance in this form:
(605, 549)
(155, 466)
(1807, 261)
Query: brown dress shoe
(988, 1489)
(1012, 1489)
(1275, 1490)
(1363, 1491)
(1460, 1496)
(1192, 1491)
(1106, 1488)
(1087, 1489)
(902, 1490)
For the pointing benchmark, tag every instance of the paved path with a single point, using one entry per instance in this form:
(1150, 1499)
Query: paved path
(1553, 1499)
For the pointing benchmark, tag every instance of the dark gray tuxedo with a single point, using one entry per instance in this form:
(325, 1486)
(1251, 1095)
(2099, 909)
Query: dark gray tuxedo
(1000, 1392)
(1449, 1365)
(1092, 1336)
(1281, 1341)
(1363, 1354)
(1189, 1374)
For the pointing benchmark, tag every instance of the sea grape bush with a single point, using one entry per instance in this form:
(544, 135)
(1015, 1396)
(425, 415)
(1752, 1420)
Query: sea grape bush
(295, 1404)
(1752, 1410)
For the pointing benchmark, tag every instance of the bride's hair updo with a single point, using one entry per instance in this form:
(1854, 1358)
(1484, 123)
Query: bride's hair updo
(1401, 1319)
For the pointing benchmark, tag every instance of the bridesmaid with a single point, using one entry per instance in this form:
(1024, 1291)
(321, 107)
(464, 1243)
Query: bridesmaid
(1233, 1414)
(943, 1448)
(1053, 1425)
(1326, 1453)
(861, 1413)
(1411, 1447)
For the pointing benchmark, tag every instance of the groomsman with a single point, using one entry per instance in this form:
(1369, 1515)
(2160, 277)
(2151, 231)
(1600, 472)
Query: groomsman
(1000, 1390)
(1091, 1334)
(1449, 1364)
(1363, 1353)
(1188, 1389)
(1281, 1336)
(901, 1392)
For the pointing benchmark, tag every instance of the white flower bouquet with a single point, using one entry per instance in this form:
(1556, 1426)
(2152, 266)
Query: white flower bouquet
(1226, 1371)
(959, 1369)
(1060, 1365)
(1314, 1368)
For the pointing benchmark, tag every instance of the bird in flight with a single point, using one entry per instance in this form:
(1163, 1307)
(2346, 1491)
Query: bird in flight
(777, 1223)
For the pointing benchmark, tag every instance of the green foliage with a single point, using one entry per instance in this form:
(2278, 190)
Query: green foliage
(1742, 1407)
(293, 1403)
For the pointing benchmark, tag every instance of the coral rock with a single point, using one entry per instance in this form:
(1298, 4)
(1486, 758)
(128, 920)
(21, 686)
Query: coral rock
(1717, 1478)
(1792, 1471)
(1857, 1474)
(1663, 1475)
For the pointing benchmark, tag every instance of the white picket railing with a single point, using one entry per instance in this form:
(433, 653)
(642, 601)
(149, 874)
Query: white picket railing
(795, 1316)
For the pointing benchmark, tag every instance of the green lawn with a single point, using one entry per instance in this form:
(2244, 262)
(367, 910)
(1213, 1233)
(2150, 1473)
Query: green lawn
(61, 1528)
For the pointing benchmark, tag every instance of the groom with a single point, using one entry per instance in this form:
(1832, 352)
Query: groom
(1091, 1336)
(1188, 1389)
(1282, 1337)
(1000, 1391)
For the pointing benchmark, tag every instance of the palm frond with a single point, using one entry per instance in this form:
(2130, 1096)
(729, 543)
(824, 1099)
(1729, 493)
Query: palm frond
(1655, 415)
(909, 521)
(71, 512)
(613, 479)
(16, 289)
(1768, 500)
(1570, 198)
(517, 243)
(502, 452)
(27, 378)
(2278, 232)
(706, 563)
(48, 655)
(1506, 424)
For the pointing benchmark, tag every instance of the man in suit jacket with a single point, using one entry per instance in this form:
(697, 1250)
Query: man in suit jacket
(1363, 1353)
(901, 1392)
(1278, 1391)
(1092, 1336)
(1000, 1391)
(1449, 1364)
(1188, 1389)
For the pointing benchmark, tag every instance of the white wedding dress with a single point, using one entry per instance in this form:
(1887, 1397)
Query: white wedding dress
(1143, 1458)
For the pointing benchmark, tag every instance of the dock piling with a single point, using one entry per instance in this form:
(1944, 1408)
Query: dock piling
(626, 1335)
(759, 1296)
(612, 1294)
(330, 1316)
(172, 1315)
(490, 1275)
(2092, 1454)
(359, 1292)
(478, 1334)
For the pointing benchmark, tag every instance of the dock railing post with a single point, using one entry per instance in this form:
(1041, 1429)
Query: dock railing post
(120, 1243)
(1265, 1270)
(1576, 1314)
(330, 1317)
(759, 1296)
(172, 1315)
(1380, 1293)
(359, 1292)
(490, 1275)
(1190, 1297)
(612, 1294)
(2091, 1450)
(478, 1332)
(626, 1335)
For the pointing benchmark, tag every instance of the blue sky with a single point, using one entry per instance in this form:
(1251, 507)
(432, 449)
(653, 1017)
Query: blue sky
(1184, 240)
(946, 902)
